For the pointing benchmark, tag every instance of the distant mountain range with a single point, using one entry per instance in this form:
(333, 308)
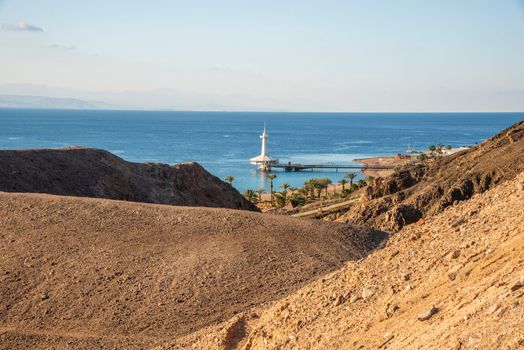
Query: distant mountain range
(20, 101)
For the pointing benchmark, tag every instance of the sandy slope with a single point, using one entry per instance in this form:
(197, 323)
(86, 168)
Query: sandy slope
(92, 273)
(467, 262)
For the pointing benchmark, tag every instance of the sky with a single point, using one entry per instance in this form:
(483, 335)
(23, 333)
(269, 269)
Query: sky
(268, 55)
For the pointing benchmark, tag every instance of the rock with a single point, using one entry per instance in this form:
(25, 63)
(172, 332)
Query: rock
(44, 296)
(517, 285)
(473, 341)
(492, 309)
(520, 186)
(368, 293)
(455, 254)
(457, 345)
(387, 338)
(391, 309)
(453, 272)
(458, 223)
(355, 298)
(339, 300)
(501, 312)
(426, 315)
(406, 276)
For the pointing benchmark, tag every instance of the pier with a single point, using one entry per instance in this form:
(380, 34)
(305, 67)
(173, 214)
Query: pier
(336, 167)
(265, 162)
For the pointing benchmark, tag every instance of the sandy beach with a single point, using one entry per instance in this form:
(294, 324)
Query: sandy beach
(391, 161)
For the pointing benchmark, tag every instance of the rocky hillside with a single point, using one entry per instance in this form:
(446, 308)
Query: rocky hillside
(85, 273)
(88, 172)
(455, 281)
(419, 191)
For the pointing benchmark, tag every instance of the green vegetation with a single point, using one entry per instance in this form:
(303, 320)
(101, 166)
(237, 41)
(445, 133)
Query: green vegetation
(271, 177)
(251, 196)
(285, 187)
(351, 176)
(229, 179)
(297, 199)
(280, 199)
(312, 190)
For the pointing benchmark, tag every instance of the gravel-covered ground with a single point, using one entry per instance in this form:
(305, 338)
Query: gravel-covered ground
(94, 273)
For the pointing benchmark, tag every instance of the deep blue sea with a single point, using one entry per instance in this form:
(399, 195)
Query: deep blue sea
(223, 142)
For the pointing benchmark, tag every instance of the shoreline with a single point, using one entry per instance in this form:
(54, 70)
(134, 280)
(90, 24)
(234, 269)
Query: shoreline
(384, 161)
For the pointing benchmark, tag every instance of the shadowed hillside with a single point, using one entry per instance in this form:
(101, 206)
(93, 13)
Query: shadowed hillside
(88, 172)
(426, 189)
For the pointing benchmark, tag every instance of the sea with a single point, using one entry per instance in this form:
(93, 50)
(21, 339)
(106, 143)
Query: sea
(223, 142)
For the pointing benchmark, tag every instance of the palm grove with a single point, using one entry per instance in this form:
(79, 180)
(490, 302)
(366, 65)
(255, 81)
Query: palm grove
(312, 190)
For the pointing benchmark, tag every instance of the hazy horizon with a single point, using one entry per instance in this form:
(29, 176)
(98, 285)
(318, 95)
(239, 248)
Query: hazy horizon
(289, 56)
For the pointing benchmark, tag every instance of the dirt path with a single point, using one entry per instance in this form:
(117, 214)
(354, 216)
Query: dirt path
(326, 210)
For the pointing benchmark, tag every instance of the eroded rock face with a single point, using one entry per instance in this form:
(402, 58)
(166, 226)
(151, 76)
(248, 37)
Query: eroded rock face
(418, 191)
(88, 172)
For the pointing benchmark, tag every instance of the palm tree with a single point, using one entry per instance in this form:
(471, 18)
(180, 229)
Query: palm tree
(229, 179)
(309, 187)
(280, 199)
(271, 177)
(343, 182)
(325, 183)
(250, 195)
(319, 187)
(351, 176)
(259, 192)
(284, 186)
(321, 184)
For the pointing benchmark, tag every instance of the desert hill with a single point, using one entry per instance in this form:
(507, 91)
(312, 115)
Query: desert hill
(89, 172)
(94, 273)
(453, 282)
(424, 190)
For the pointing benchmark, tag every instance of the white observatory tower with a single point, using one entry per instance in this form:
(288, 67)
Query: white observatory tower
(263, 161)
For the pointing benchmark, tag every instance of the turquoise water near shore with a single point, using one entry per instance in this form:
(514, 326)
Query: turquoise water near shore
(223, 142)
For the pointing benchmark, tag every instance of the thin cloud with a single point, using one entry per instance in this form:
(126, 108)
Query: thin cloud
(21, 27)
(62, 47)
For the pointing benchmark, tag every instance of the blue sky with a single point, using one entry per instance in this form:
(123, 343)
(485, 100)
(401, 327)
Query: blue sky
(373, 55)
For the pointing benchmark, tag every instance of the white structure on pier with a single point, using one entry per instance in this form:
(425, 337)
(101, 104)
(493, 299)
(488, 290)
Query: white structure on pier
(263, 161)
